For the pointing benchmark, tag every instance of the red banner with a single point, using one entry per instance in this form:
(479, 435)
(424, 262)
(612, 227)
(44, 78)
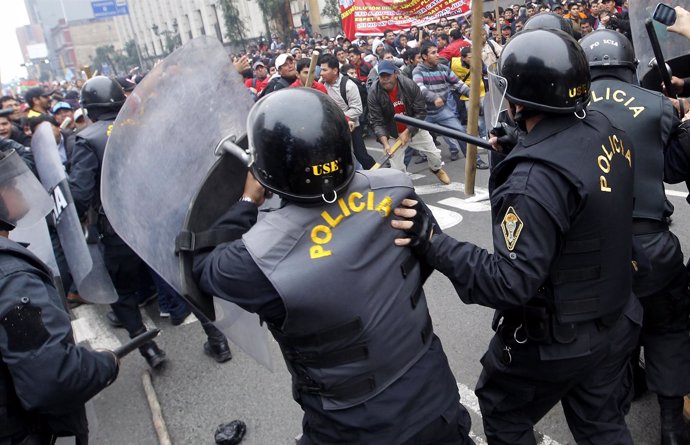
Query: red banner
(372, 17)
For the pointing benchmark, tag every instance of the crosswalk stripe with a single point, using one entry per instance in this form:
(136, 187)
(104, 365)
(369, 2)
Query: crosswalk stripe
(429, 189)
(465, 204)
(445, 218)
(676, 193)
(88, 326)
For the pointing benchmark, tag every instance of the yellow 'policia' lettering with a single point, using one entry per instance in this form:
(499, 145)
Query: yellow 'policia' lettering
(354, 203)
(619, 96)
(604, 161)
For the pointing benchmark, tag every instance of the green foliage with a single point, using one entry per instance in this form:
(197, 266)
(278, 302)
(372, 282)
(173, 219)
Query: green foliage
(105, 55)
(332, 11)
(235, 29)
(276, 11)
(171, 41)
(119, 61)
(130, 58)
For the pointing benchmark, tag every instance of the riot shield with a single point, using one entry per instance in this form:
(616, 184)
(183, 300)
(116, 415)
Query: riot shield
(161, 176)
(89, 273)
(38, 240)
(675, 48)
(495, 100)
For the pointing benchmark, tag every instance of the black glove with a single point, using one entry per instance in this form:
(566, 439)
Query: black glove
(422, 228)
(507, 135)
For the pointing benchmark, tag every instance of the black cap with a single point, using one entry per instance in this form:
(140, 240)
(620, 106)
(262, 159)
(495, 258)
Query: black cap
(35, 92)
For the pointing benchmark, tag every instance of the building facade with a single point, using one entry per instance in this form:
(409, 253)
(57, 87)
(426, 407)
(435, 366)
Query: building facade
(152, 23)
(75, 42)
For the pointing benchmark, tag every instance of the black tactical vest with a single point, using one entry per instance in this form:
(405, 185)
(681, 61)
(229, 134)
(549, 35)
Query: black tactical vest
(591, 277)
(14, 420)
(638, 112)
(356, 316)
(97, 135)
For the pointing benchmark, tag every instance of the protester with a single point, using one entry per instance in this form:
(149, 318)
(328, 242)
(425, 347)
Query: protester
(394, 94)
(346, 95)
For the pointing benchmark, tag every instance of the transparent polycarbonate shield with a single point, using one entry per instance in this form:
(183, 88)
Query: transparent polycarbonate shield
(675, 48)
(159, 155)
(495, 100)
(38, 239)
(89, 273)
(23, 201)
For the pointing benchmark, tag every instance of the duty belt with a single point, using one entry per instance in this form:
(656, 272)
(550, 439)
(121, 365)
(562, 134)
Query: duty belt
(540, 324)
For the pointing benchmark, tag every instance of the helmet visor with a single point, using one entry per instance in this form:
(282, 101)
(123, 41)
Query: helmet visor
(23, 200)
(495, 101)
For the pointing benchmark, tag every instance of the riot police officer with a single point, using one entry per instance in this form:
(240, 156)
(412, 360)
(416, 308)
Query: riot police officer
(347, 309)
(560, 274)
(649, 119)
(103, 97)
(44, 378)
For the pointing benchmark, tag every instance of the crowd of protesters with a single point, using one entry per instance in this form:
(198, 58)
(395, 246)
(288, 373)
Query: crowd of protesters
(421, 53)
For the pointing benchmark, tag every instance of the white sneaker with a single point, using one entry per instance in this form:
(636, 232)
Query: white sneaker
(164, 314)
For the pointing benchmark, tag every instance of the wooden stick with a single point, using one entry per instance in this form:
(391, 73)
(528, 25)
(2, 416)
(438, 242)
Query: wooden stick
(156, 412)
(312, 68)
(394, 148)
(476, 85)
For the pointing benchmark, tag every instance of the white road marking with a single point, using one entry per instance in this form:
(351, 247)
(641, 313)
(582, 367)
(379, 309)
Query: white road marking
(676, 193)
(88, 326)
(465, 204)
(415, 176)
(189, 320)
(445, 218)
(452, 187)
(469, 400)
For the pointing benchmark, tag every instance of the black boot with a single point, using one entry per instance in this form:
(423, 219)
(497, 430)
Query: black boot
(153, 354)
(218, 349)
(674, 431)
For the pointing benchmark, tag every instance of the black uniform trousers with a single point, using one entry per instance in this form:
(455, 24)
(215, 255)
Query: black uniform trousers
(129, 275)
(450, 428)
(522, 380)
(663, 293)
(360, 150)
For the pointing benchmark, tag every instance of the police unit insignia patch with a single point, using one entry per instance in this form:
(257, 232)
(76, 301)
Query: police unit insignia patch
(511, 227)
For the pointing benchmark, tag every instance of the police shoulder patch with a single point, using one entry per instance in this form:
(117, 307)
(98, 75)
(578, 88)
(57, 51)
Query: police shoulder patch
(511, 227)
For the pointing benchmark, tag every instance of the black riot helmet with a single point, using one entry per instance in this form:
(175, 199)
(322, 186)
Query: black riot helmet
(300, 145)
(545, 70)
(610, 53)
(101, 94)
(549, 20)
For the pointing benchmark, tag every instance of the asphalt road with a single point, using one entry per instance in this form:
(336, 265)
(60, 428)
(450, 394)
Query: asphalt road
(196, 394)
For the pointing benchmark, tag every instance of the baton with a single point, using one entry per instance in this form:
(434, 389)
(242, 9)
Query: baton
(444, 131)
(659, 56)
(137, 341)
(312, 68)
(394, 148)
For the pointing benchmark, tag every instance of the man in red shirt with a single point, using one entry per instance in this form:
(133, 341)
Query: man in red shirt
(393, 94)
(260, 79)
(455, 45)
(363, 68)
(303, 73)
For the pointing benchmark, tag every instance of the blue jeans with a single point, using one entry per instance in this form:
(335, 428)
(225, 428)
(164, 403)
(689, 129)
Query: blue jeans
(168, 299)
(447, 118)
